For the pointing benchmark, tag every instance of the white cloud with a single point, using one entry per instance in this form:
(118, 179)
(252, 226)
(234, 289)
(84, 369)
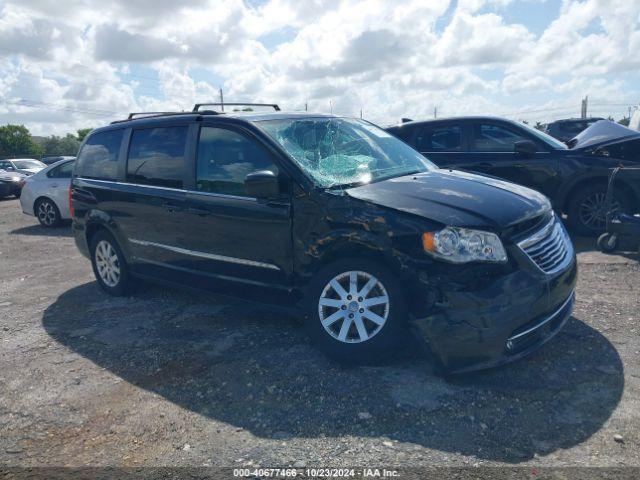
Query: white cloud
(64, 65)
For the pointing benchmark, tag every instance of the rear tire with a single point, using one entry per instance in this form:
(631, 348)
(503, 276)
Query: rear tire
(47, 213)
(356, 311)
(109, 265)
(586, 210)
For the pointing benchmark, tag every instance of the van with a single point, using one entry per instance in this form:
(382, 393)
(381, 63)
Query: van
(332, 217)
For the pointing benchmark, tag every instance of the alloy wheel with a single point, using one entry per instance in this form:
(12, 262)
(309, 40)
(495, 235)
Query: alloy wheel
(353, 307)
(107, 263)
(47, 213)
(593, 211)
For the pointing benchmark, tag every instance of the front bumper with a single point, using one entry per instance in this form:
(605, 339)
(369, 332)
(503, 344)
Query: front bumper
(509, 318)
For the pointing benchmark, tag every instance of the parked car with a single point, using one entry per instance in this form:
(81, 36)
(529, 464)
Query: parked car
(27, 166)
(53, 159)
(575, 179)
(11, 183)
(351, 226)
(46, 194)
(565, 130)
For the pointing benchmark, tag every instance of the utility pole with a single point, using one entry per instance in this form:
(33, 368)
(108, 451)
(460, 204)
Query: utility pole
(583, 110)
(306, 106)
(435, 112)
(360, 112)
(221, 100)
(330, 106)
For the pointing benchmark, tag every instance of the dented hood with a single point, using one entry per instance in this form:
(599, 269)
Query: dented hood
(456, 198)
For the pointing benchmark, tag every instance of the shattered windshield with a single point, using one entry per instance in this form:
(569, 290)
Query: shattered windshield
(341, 151)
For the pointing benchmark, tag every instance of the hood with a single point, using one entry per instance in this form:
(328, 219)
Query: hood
(456, 198)
(10, 176)
(600, 133)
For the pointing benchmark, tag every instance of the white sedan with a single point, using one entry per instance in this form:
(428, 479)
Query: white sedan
(46, 194)
(27, 166)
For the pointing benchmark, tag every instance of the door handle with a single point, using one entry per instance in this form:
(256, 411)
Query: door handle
(54, 186)
(171, 207)
(198, 211)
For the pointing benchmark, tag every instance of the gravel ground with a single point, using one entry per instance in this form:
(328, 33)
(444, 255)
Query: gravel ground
(170, 377)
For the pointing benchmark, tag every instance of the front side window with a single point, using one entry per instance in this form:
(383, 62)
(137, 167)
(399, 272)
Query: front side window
(440, 139)
(98, 158)
(61, 171)
(342, 151)
(225, 157)
(493, 138)
(156, 156)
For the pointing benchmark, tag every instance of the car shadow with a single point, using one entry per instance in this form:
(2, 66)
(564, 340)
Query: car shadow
(254, 369)
(628, 247)
(38, 230)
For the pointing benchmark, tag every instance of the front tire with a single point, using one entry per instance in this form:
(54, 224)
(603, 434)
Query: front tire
(109, 265)
(356, 311)
(47, 213)
(587, 210)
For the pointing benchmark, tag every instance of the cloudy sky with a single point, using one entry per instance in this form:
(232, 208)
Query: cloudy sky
(67, 64)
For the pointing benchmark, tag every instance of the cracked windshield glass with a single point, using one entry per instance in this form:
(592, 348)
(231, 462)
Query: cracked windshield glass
(341, 152)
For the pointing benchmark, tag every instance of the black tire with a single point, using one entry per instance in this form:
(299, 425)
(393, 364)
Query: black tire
(580, 203)
(384, 339)
(17, 194)
(608, 242)
(123, 286)
(47, 213)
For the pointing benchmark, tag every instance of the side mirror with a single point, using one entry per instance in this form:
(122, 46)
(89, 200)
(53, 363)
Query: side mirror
(525, 147)
(262, 184)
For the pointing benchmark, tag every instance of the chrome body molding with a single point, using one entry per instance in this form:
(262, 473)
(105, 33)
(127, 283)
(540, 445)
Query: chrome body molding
(209, 256)
(546, 320)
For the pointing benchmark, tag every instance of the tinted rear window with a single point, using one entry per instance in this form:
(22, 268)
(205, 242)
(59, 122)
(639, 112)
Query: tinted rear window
(99, 156)
(156, 156)
(439, 139)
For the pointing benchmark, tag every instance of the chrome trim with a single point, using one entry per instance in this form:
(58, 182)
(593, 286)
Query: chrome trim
(114, 182)
(210, 256)
(540, 234)
(546, 320)
(182, 190)
(554, 229)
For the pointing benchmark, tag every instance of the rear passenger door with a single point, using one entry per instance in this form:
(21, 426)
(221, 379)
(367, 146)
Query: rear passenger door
(57, 181)
(227, 232)
(151, 200)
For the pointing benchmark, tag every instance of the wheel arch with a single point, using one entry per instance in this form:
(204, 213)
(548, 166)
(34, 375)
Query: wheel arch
(39, 198)
(632, 193)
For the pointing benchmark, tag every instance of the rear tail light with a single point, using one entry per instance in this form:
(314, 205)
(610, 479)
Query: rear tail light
(71, 211)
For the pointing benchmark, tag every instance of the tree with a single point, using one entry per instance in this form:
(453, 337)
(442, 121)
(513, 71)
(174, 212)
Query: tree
(67, 145)
(539, 126)
(624, 121)
(83, 132)
(15, 141)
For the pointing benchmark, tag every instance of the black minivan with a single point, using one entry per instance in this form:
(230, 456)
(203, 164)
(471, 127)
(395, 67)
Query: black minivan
(333, 216)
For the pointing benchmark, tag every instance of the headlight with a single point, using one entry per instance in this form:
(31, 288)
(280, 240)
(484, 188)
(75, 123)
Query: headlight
(461, 245)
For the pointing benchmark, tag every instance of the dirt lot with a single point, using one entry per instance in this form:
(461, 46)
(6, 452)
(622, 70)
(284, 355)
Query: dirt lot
(179, 378)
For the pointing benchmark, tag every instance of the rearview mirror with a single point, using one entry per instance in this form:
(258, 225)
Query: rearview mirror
(262, 184)
(525, 147)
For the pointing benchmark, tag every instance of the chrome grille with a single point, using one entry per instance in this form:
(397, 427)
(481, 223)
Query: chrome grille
(550, 247)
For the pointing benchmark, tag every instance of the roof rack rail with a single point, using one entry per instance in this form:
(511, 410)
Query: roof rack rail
(197, 106)
(132, 115)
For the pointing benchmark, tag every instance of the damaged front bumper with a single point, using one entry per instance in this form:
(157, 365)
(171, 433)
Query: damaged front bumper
(508, 318)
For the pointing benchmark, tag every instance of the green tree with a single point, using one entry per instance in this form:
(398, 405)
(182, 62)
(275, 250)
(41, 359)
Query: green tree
(83, 132)
(624, 121)
(15, 140)
(539, 125)
(67, 145)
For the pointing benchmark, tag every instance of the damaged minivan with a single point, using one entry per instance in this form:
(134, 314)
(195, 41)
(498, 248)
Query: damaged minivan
(348, 224)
